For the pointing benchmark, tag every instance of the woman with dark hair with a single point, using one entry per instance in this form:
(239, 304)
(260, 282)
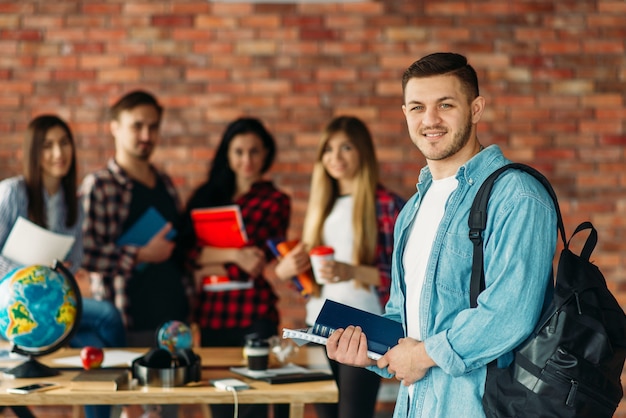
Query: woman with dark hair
(225, 318)
(46, 195)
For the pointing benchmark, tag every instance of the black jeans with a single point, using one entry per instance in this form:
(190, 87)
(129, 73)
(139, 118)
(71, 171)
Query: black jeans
(358, 389)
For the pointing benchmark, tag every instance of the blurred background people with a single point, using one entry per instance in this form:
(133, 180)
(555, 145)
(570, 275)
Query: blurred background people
(146, 282)
(244, 155)
(350, 211)
(46, 195)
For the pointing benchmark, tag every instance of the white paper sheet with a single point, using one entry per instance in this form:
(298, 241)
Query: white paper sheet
(30, 244)
(112, 358)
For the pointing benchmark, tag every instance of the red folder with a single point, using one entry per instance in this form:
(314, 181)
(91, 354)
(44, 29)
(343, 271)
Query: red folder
(221, 226)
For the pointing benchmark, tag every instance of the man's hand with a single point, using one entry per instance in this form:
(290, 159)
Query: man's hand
(349, 347)
(158, 249)
(408, 361)
(251, 260)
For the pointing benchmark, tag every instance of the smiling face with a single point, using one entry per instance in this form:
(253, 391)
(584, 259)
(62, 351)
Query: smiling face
(341, 160)
(56, 155)
(441, 119)
(246, 156)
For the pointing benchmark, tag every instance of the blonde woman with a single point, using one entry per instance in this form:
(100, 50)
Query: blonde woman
(350, 211)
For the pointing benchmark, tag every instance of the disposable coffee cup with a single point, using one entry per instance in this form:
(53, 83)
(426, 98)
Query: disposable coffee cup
(258, 353)
(318, 255)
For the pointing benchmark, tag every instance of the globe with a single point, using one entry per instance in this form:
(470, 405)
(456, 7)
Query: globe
(174, 336)
(40, 308)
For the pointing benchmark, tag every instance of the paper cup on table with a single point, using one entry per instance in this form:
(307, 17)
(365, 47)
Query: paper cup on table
(318, 255)
(257, 353)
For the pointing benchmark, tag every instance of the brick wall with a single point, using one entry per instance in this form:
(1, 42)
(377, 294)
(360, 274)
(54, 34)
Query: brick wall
(553, 73)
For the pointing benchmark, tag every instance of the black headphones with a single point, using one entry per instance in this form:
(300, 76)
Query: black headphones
(160, 358)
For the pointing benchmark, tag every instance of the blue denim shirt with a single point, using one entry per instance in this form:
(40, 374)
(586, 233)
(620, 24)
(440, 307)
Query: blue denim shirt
(519, 245)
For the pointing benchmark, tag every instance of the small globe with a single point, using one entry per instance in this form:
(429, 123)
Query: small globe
(174, 336)
(39, 308)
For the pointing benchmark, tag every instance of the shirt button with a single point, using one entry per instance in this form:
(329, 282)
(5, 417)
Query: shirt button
(470, 181)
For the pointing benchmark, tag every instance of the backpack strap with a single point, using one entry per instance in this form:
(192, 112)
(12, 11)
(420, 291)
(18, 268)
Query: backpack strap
(478, 222)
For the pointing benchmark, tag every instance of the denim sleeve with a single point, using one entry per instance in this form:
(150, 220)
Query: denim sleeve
(519, 246)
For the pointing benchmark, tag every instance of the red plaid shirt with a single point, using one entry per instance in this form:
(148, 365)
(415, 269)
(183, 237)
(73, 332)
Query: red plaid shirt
(388, 206)
(265, 211)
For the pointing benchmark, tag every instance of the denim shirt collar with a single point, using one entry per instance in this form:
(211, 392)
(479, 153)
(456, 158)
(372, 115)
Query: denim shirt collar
(473, 171)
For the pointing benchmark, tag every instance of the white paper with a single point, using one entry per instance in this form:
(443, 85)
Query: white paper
(29, 244)
(112, 358)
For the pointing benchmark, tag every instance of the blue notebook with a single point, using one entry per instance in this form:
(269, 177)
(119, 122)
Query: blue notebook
(144, 229)
(382, 333)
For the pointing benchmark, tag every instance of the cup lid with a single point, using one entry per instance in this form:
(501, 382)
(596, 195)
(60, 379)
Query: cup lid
(322, 250)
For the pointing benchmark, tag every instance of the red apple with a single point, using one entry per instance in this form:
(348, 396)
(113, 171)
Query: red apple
(91, 357)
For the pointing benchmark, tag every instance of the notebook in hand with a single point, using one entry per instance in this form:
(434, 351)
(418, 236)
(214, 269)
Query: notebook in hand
(142, 231)
(382, 333)
(220, 226)
(304, 282)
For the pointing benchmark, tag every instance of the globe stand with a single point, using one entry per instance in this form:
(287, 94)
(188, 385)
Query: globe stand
(31, 368)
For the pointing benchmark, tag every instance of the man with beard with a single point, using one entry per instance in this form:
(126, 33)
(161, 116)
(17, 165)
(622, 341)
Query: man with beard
(442, 361)
(144, 282)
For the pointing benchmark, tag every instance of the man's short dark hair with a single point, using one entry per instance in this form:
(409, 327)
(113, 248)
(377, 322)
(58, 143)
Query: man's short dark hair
(132, 100)
(444, 63)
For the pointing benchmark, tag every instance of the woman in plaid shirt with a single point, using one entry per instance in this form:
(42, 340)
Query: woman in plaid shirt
(350, 211)
(244, 155)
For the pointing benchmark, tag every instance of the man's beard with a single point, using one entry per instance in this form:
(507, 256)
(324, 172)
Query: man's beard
(459, 140)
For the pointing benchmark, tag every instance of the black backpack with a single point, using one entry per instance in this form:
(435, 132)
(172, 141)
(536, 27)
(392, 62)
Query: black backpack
(571, 364)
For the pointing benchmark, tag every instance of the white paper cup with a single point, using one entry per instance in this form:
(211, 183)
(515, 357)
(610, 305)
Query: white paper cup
(318, 255)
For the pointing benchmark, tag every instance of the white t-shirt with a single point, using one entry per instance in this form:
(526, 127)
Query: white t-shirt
(419, 245)
(338, 233)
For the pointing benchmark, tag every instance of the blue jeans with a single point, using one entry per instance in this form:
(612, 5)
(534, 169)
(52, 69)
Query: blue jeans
(100, 326)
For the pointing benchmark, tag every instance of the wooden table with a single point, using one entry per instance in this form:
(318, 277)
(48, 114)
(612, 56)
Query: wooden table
(215, 363)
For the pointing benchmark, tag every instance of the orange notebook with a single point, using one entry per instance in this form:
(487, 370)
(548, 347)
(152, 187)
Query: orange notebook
(221, 226)
(304, 282)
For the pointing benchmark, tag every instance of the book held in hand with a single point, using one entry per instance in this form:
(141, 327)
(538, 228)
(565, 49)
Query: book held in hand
(100, 380)
(382, 333)
(144, 228)
(304, 282)
(220, 226)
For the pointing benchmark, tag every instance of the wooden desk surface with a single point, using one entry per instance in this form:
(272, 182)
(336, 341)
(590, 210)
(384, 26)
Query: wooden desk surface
(215, 362)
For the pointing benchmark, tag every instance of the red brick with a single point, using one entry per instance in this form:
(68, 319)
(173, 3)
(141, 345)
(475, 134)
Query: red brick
(145, 8)
(448, 8)
(99, 61)
(74, 75)
(9, 21)
(21, 35)
(191, 7)
(123, 75)
(215, 22)
(172, 21)
(101, 8)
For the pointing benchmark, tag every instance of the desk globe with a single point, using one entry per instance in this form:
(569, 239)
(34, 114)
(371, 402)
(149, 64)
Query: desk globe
(174, 336)
(40, 308)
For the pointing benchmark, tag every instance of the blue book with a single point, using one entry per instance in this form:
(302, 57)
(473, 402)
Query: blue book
(144, 229)
(382, 333)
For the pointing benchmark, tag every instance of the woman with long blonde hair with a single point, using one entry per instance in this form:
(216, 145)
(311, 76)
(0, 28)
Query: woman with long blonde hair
(350, 211)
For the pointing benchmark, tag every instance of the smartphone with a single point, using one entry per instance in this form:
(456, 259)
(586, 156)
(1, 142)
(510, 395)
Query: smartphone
(35, 387)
